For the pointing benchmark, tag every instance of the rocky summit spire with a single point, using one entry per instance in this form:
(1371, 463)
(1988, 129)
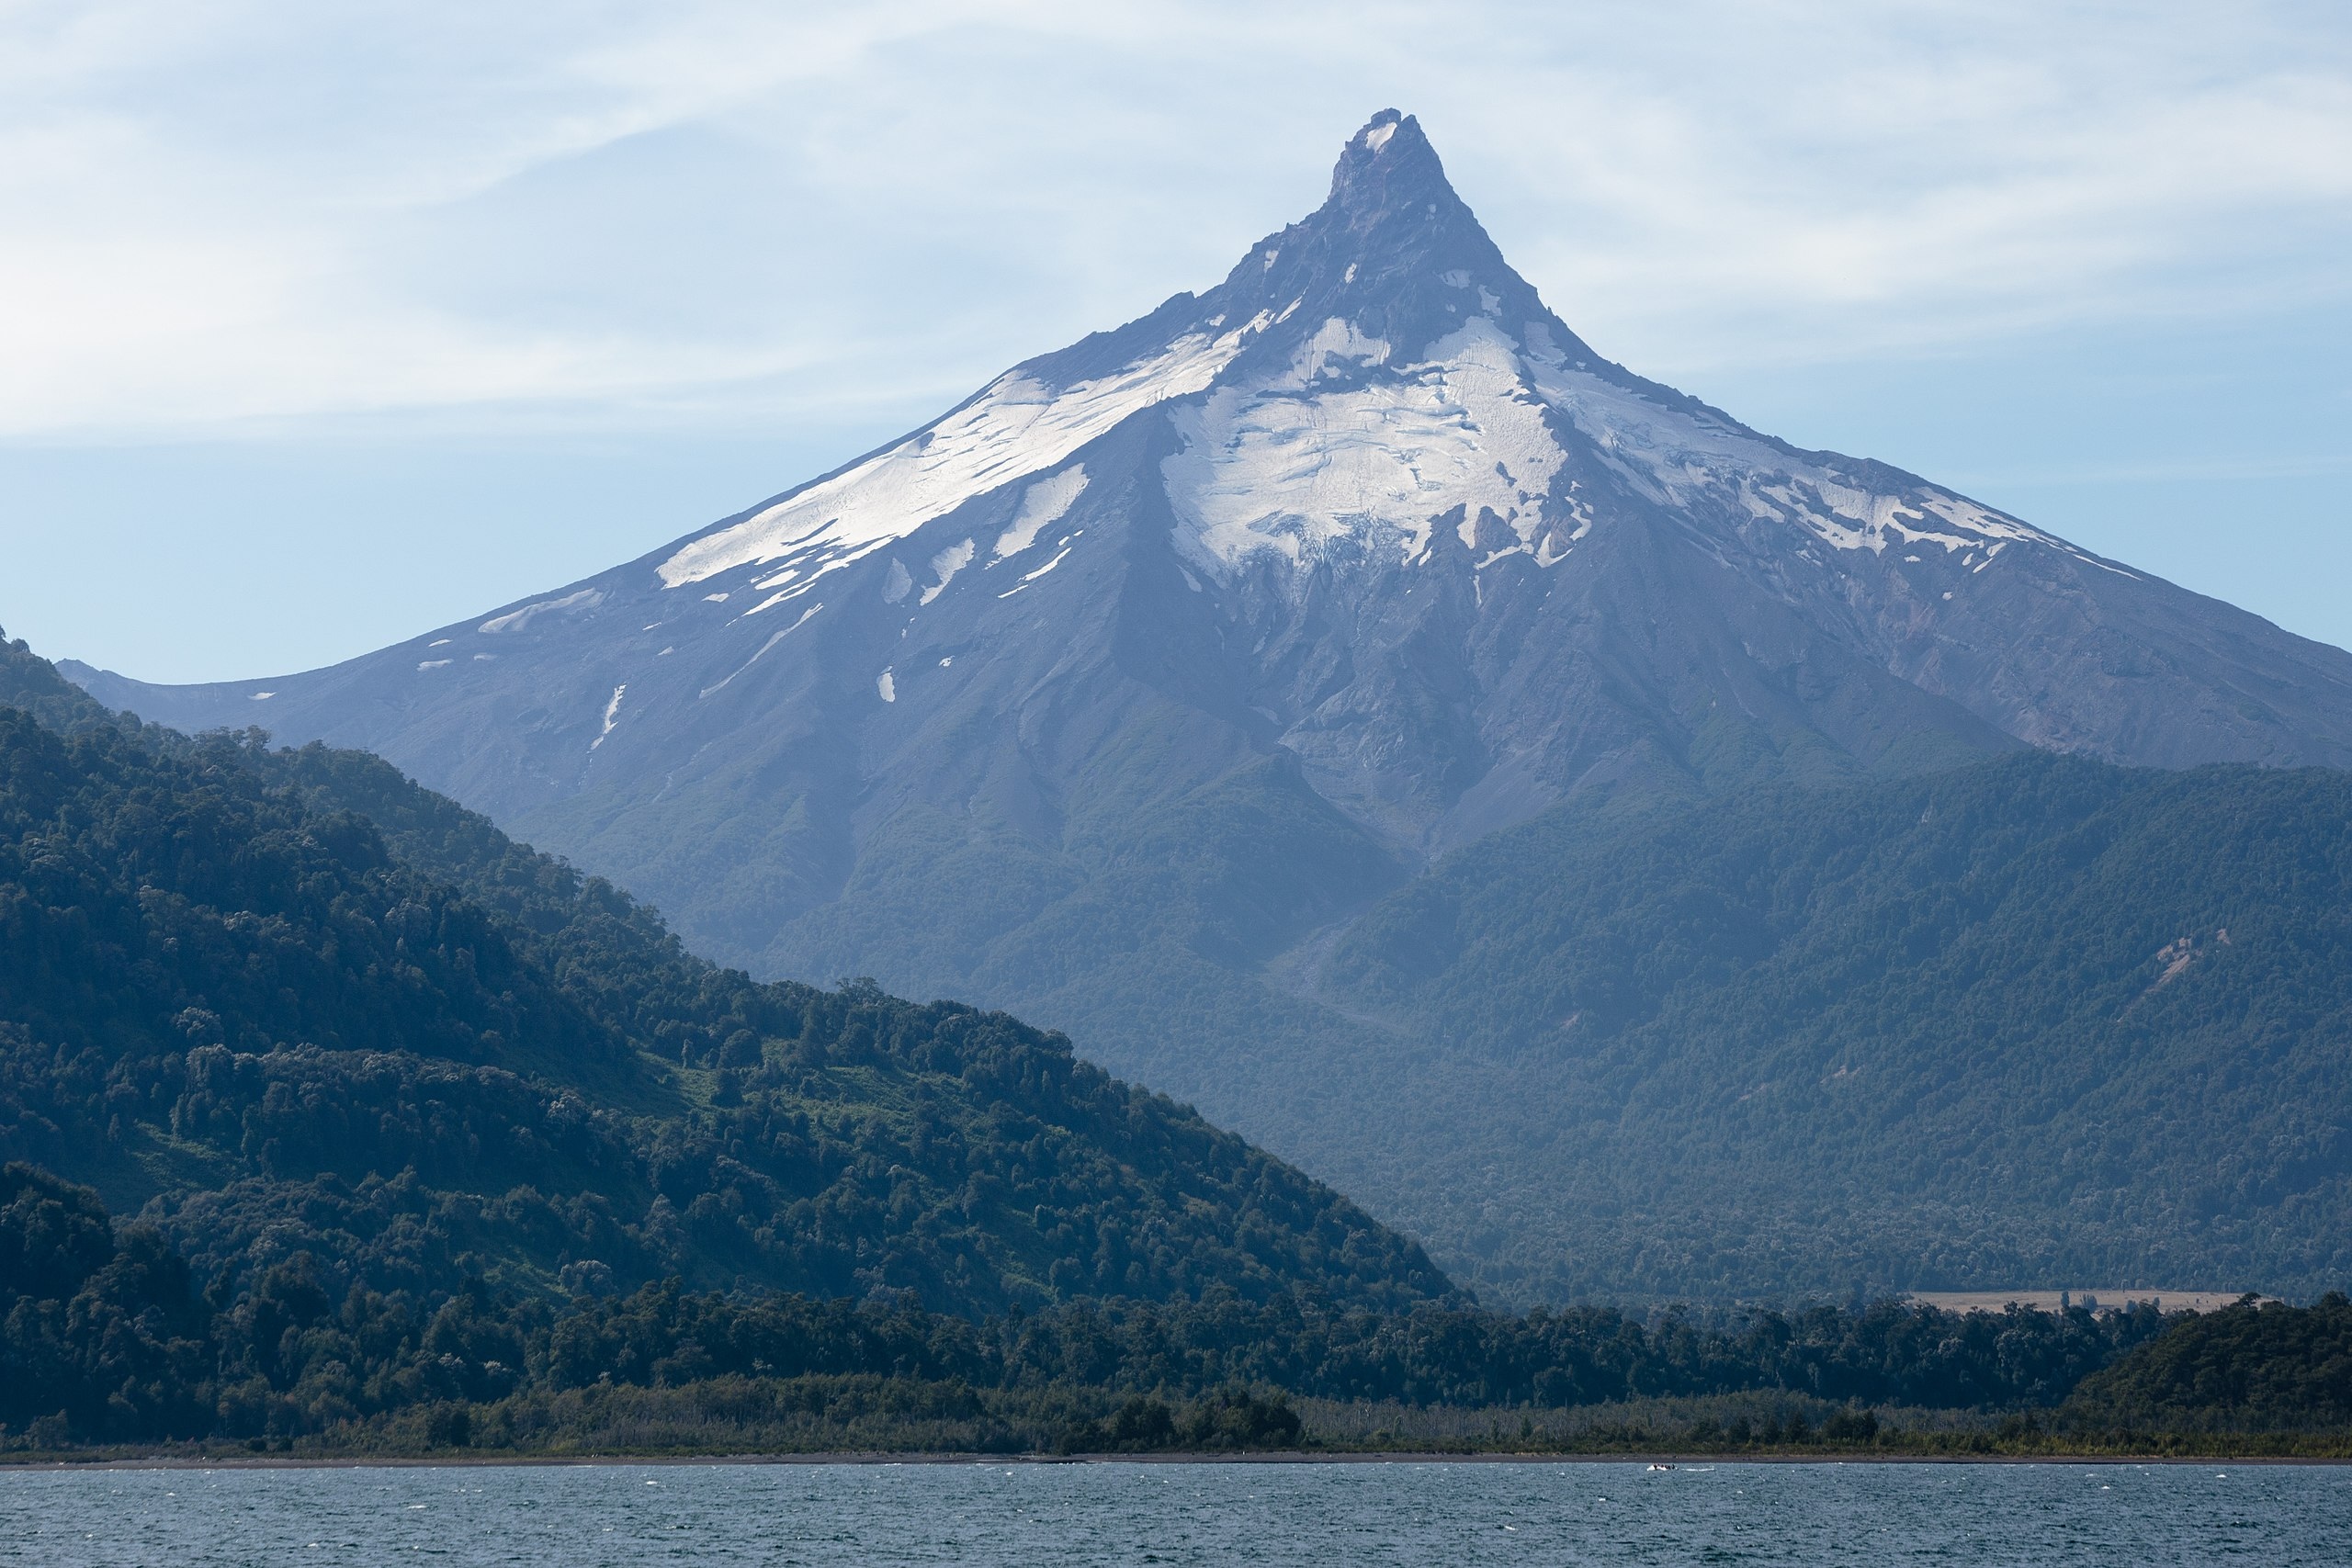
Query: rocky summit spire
(1389, 168)
(1392, 249)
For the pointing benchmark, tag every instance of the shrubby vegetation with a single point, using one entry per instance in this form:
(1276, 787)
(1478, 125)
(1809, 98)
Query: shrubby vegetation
(281, 1001)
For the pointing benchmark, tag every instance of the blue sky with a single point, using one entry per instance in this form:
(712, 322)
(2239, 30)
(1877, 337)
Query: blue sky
(320, 325)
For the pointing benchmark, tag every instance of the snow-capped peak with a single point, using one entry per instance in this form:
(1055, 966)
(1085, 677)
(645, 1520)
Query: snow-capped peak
(1359, 380)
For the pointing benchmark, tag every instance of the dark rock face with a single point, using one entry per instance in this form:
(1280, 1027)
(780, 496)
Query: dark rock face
(1168, 650)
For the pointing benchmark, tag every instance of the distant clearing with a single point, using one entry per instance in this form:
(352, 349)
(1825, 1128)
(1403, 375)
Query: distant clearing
(2098, 1300)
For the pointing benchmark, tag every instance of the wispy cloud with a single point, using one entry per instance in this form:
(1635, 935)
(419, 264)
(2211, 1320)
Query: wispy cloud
(229, 215)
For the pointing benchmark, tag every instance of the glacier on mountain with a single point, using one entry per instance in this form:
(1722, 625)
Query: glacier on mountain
(1286, 466)
(1016, 427)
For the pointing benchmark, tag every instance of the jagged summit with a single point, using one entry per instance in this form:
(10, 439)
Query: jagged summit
(1407, 154)
(1389, 185)
(1391, 251)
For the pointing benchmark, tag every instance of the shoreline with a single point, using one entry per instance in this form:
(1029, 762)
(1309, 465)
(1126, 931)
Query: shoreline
(487, 1462)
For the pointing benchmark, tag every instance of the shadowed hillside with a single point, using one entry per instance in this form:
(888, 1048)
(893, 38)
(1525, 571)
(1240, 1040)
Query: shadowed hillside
(287, 1001)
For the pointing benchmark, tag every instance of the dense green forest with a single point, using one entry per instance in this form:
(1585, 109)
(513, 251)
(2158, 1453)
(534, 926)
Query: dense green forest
(2255, 1367)
(286, 1002)
(2040, 1018)
(106, 1337)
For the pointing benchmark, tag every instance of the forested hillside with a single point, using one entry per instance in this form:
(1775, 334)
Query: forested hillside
(281, 1002)
(2040, 1020)
(2255, 1367)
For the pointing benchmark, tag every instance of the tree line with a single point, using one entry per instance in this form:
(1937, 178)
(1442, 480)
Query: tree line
(107, 1335)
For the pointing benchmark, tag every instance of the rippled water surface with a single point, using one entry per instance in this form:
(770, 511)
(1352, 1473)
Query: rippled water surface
(1037, 1514)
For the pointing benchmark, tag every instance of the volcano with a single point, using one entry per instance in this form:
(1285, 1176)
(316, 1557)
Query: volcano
(1119, 693)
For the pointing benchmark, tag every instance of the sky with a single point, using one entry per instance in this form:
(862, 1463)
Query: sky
(320, 326)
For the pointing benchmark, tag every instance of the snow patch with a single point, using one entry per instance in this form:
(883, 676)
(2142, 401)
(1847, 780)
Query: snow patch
(839, 558)
(895, 587)
(433, 664)
(1685, 460)
(612, 715)
(1029, 577)
(1378, 137)
(1042, 505)
(886, 687)
(262, 696)
(438, 642)
(946, 565)
(773, 641)
(516, 620)
(1334, 340)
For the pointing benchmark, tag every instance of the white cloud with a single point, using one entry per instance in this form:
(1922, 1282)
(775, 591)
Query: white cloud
(229, 214)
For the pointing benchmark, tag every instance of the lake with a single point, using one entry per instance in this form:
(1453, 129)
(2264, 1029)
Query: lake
(1034, 1516)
